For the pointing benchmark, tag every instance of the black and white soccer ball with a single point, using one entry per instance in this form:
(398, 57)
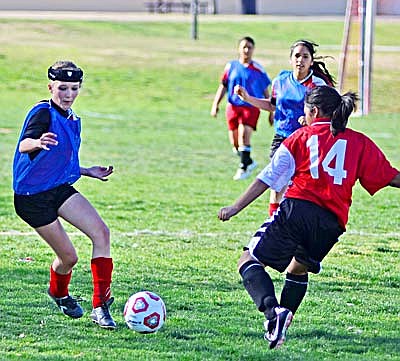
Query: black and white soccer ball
(145, 312)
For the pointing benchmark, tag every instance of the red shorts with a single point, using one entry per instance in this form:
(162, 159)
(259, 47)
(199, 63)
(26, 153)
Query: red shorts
(236, 115)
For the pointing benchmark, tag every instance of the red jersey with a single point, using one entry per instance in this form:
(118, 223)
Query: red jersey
(323, 169)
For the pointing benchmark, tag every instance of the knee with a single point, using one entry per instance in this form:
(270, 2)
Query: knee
(244, 258)
(296, 268)
(101, 232)
(69, 260)
(101, 235)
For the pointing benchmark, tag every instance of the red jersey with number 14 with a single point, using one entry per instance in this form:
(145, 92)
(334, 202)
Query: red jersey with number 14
(327, 167)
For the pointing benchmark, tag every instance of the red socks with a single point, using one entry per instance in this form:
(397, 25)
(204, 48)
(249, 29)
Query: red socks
(273, 207)
(59, 283)
(101, 271)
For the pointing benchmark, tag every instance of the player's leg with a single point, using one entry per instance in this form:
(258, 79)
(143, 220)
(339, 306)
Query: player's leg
(61, 268)
(244, 138)
(260, 287)
(233, 140)
(273, 245)
(231, 114)
(247, 125)
(80, 213)
(258, 284)
(322, 232)
(295, 286)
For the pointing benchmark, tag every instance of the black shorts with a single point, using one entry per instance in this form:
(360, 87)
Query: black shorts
(300, 229)
(41, 208)
(276, 142)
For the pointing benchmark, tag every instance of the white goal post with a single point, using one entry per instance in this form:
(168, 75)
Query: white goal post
(365, 11)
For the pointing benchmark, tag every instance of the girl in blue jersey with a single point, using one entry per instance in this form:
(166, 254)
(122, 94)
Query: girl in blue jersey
(241, 116)
(46, 164)
(287, 101)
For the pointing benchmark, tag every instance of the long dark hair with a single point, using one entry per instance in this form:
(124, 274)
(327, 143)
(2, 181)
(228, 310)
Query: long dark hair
(333, 105)
(318, 67)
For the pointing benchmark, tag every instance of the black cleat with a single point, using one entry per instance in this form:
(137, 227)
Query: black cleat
(276, 328)
(68, 305)
(101, 315)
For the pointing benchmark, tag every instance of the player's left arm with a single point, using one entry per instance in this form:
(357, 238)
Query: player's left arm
(98, 172)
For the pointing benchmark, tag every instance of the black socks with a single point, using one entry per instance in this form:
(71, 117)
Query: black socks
(259, 286)
(294, 291)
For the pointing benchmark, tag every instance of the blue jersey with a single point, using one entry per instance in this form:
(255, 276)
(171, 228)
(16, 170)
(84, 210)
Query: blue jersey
(289, 94)
(50, 168)
(252, 77)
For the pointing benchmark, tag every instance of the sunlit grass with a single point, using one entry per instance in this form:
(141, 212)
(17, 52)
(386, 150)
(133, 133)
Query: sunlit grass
(145, 109)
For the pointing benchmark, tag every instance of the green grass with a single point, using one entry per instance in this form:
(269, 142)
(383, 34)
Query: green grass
(145, 108)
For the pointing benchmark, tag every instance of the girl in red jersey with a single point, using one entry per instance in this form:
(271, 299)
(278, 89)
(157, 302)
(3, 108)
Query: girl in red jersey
(322, 161)
(46, 164)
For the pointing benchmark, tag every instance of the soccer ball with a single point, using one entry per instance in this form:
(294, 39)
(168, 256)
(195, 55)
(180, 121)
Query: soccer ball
(145, 312)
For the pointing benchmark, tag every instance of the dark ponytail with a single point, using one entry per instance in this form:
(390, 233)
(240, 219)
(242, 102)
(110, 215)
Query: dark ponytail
(318, 67)
(332, 105)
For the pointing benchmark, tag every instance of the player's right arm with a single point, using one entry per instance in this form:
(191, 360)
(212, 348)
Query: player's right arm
(275, 175)
(29, 145)
(217, 99)
(252, 193)
(36, 135)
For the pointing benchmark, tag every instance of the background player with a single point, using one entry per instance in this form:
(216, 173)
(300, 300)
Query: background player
(46, 164)
(323, 161)
(287, 100)
(241, 116)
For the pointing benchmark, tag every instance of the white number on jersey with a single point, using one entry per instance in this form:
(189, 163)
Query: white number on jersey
(337, 151)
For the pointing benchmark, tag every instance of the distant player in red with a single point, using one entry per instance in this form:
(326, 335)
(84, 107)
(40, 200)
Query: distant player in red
(242, 117)
(322, 161)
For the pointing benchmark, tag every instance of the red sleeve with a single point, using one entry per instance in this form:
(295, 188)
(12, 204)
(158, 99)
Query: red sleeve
(225, 75)
(375, 171)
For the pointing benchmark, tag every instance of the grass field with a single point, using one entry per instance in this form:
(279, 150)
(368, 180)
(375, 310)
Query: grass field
(145, 107)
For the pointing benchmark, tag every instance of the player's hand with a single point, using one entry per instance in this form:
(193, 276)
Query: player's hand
(214, 111)
(98, 172)
(47, 139)
(241, 92)
(302, 121)
(227, 213)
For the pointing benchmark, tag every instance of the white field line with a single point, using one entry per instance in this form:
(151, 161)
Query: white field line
(187, 233)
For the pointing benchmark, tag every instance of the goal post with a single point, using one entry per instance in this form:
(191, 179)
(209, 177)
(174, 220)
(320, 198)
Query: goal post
(364, 11)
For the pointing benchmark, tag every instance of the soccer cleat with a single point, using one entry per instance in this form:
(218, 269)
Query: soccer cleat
(276, 328)
(101, 315)
(241, 174)
(235, 151)
(68, 305)
(253, 165)
(245, 173)
(269, 326)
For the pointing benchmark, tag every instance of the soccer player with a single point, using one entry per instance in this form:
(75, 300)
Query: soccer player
(241, 116)
(288, 92)
(46, 164)
(322, 161)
